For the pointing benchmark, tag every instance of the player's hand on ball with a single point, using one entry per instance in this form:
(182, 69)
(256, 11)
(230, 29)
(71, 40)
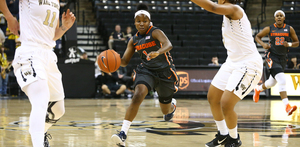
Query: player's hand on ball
(152, 55)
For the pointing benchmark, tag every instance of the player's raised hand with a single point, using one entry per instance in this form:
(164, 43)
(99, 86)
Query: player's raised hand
(68, 19)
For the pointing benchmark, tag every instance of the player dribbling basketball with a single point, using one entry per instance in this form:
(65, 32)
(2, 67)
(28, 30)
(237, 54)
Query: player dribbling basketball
(156, 71)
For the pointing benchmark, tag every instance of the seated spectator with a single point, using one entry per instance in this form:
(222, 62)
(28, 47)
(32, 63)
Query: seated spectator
(129, 33)
(84, 56)
(293, 64)
(116, 35)
(2, 23)
(110, 87)
(126, 79)
(215, 61)
(98, 79)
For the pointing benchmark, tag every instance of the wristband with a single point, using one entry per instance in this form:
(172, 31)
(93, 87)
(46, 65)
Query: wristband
(290, 44)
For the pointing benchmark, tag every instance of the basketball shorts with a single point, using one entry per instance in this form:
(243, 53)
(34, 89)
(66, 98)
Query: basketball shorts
(113, 87)
(240, 76)
(275, 64)
(32, 61)
(165, 81)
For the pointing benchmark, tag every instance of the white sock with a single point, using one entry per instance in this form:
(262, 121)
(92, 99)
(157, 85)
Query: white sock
(285, 101)
(37, 139)
(260, 88)
(126, 126)
(222, 127)
(233, 133)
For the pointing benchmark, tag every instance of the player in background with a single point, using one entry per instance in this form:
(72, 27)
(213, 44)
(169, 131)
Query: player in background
(276, 56)
(35, 63)
(156, 71)
(238, 75)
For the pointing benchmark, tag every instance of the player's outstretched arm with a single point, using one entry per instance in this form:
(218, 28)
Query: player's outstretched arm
(260, 35)
(227, 9)
(128, 53)
(12, 22)
(68, 20)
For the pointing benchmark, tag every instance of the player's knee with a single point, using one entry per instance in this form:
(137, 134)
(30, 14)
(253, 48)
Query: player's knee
(137, 98)
(212, 99)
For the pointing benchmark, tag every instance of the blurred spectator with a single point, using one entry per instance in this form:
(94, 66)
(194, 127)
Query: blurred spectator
(13, 6)
(98, 78)
(126, 78)
(116, 35)
(5, 68)
(84, 56)
(215, 61)
(2, 23)
(293, 63)
(129, 33)
(2, 36)
(11, 43)
(110, 87)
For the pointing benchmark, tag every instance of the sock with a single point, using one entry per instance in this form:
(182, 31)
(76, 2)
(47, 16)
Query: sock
(233, 133)
(260, 88)
(222, 127)
(126, 126)
(285, 101)
(37, 139)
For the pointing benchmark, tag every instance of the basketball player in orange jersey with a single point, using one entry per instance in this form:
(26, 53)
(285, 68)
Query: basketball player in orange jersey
(276, 56)
(35, 62)
(238, 75)
(156, 70)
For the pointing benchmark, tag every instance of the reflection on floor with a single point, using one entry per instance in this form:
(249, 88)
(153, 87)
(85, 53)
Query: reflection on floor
(91, 122)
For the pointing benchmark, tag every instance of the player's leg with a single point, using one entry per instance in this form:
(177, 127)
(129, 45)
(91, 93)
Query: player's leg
(214, 95)
(167, 103)
(268, 84)
(121, 89)
(56, 106)
(280, 78)
(143, 84)
(39, 95)
(105, 89)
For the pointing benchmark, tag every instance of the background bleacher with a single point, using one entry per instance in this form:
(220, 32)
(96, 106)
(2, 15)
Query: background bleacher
(194, 33)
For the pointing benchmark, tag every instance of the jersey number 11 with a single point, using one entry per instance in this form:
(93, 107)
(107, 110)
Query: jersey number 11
(46, 22)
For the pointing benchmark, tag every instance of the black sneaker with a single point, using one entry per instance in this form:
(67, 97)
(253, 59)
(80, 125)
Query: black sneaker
(169, 116)
(119, 139)
(233, 142)
(46, 137)
(218, 141)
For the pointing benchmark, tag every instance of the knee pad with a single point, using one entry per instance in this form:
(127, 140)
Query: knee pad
(280, 78)
(52, 116)
(270, 82)
(165, 100)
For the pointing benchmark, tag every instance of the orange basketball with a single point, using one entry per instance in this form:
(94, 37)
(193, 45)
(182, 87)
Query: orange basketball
(109, 61)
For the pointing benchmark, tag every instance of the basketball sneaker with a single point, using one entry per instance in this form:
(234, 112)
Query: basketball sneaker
(46, 137)
(233, 142)
(290, 109)
(218, 141)
(169, 116)
(119, 138)
(256, 94)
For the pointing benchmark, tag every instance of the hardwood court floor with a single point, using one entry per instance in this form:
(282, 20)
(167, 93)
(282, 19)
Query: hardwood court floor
(91, 122)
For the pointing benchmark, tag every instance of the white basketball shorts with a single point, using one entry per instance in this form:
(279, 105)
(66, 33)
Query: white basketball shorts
(239, 76)
(32, 61)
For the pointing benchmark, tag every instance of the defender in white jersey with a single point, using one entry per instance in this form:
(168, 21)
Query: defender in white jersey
(35, 62)
(238, 75)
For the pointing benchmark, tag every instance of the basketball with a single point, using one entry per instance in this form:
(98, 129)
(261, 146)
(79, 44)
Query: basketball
(109, 61)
